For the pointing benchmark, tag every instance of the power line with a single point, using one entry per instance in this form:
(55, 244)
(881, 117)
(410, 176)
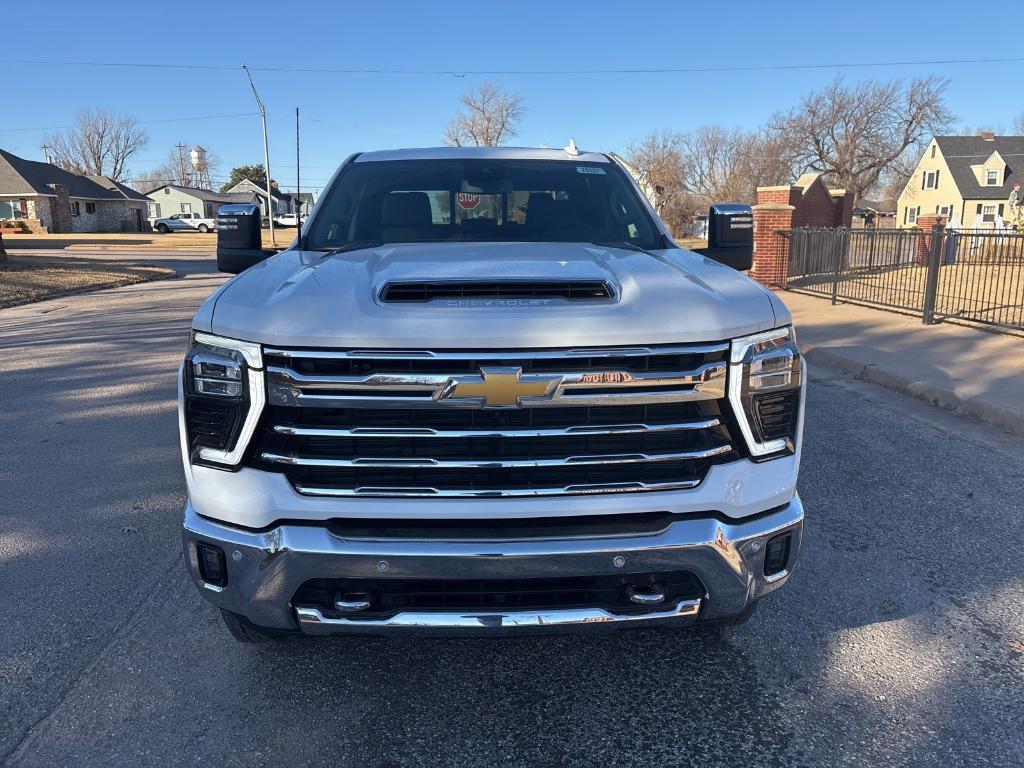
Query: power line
(528, 72)
(140, 122)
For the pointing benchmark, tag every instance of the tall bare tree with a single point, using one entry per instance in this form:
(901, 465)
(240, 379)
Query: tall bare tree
(490, 117)
(99, 143)
(1018, 124)
(659, 160)
(854, 133)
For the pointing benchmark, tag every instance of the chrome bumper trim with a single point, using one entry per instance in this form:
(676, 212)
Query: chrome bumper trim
(313, 622)
(266, 569)
(494, 493)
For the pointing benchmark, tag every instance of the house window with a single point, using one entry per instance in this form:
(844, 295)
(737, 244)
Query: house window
(910, 215)
(76, 208)
(90, 207)
(931, 180)
(186, 207)
(167, 190)
(154, 210)
(944, 210)
(11, 209)
(933, 150)
(988, 213)
(992, 178)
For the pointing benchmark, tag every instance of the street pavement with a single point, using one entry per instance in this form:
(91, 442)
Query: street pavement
(897, 642)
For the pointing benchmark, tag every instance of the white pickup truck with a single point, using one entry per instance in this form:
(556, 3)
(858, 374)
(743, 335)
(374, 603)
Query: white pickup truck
(183, 221)
(485, 393)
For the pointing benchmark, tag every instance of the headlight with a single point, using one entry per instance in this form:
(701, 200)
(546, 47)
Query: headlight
(223, 385)
(765, 379)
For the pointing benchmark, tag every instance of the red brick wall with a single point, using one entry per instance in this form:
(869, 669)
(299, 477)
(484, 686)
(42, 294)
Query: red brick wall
(924, 241)
(771, 250)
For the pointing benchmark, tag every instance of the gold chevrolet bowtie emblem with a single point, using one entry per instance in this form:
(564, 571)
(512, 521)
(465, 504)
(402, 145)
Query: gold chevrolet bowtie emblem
(500, 386)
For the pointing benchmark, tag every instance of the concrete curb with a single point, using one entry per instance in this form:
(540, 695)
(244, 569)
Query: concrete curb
(943, 397)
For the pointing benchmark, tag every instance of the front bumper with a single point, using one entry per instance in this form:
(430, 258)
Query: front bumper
(265, 569)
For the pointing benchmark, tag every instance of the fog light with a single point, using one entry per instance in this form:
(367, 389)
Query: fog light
(212, 564)
(776, 554)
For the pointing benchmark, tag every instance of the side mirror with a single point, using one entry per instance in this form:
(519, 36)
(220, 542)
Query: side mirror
(730, 235)
(239, 239)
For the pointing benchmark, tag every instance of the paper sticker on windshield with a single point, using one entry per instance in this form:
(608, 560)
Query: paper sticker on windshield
(590, 169)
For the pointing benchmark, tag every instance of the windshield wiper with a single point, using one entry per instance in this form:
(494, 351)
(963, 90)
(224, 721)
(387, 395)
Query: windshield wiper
(355, 245)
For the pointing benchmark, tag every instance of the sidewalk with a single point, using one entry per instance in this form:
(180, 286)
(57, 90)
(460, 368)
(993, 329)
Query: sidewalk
(975, 372)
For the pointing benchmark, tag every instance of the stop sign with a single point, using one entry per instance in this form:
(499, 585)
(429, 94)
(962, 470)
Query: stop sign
(467, 200)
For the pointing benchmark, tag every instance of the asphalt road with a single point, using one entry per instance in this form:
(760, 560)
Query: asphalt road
(898, 640)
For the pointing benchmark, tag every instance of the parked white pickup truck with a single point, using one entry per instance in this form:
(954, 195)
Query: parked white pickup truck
(485, 393)
(182, 221)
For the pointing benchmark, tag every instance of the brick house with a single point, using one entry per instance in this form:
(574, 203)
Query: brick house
(49, 199)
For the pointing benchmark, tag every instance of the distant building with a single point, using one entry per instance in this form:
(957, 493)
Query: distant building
(169, 199)
(49, 199)
(968, 179)
(282, 201)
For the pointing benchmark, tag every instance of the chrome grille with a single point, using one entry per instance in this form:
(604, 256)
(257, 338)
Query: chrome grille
(371, 423)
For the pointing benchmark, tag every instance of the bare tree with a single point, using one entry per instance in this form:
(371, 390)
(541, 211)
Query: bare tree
(491, 116)
(659, 161)
(853, 134)
(1018, 124)
(100, 143)
(176, 169)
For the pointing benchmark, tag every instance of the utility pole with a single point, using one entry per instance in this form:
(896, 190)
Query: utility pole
(298, 176)
(266, 156)
(46, 152)
(183, 177)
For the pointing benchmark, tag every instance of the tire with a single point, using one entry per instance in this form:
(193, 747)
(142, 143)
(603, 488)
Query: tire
(203, 228)
(244, 631)
(163, 229)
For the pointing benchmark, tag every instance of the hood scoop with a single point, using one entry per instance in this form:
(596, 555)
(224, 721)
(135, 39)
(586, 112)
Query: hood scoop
(423, 291)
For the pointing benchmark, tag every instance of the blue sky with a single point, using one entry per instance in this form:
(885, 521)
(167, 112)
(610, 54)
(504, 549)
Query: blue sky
(342, 113)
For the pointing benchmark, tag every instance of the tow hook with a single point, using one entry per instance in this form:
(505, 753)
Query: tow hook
(650, 594)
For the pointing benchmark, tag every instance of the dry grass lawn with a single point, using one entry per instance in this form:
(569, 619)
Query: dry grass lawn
(137, 241)
(26, 279)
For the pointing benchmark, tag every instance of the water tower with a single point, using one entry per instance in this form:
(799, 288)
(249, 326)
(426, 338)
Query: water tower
(200, 167)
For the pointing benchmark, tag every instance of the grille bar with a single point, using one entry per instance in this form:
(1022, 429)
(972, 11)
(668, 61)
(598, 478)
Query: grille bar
(410, 432)
(288, 387)
(563, 490)
(397, 463)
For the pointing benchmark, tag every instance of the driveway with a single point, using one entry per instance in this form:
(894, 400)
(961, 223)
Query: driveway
(898, 640)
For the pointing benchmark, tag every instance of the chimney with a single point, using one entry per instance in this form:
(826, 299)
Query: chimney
(987, 135)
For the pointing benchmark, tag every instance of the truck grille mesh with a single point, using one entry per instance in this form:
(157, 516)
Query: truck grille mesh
(385, 424)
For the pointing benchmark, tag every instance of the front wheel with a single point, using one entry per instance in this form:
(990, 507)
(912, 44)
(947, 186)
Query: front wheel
(203, 228)
(163, 229)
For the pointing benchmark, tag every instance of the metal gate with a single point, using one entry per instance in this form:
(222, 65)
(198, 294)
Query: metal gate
(972, 275)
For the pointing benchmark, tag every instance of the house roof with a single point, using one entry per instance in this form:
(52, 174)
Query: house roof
(19, 176)
(248, 184)
(206, 195)
(878, 206)
(961, 152)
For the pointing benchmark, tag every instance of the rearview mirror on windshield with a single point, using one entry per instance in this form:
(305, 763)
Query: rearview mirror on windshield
(730, 235)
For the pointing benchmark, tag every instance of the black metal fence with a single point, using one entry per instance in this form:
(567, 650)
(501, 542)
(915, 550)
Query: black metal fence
(972, 275)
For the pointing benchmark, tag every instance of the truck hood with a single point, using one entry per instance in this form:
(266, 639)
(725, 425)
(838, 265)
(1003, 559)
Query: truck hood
(307, 299)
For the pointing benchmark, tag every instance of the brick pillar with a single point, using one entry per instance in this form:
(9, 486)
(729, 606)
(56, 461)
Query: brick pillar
(923, 246)
(771, 250)
(60, 209)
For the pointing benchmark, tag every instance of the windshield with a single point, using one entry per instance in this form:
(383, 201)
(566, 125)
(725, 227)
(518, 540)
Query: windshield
(423, 201)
